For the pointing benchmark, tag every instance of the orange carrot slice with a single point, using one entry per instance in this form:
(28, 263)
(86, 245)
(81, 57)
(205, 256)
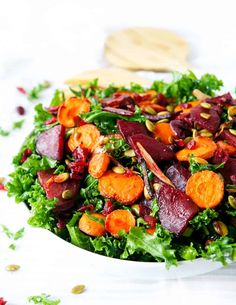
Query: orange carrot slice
(92, 224)
(231, 150)
(119, 220)
(205, 149)
(86, 136)
(187, 109)
(125, 188)
(163, 133)
(98, 164)
(70, 109)
(205, 188)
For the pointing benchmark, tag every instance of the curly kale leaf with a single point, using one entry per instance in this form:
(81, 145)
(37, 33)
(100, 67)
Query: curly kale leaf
(203, 219)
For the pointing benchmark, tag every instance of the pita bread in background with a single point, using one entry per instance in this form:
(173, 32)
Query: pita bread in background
(147, 49)
(107, 76)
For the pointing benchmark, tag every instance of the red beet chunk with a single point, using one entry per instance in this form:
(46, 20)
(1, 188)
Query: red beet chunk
(128, 129)
(229, 171)
(229, 137)
(55, 190)
(211, 124)
(225, 100)
(176, 209)
(50, 143)
(179, 176)
(158, 151)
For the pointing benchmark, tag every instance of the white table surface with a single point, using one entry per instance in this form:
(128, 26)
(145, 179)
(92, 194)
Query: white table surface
(54, 40)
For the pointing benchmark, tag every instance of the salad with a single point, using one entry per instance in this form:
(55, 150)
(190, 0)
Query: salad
(144, 174)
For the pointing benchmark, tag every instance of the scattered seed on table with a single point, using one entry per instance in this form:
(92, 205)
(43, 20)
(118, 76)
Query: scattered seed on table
(78, 289)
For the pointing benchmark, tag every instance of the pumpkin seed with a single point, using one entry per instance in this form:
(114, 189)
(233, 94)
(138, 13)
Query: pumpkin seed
(232, 131)
(118, 169)
(205, 115)
(220, 228)
(163, 113)
(156, 186)
(135, 209)
(232, 201)
(199, 160)
(61, 177)
(205, 133)
(129, 153)
(12, 267)
(67, 194)
(150, 110)
(162, 121)
(194, 131)
(78, 289)
(170, 108)
(146, 194)
(150, 126)
(206, 105)
(231, 112)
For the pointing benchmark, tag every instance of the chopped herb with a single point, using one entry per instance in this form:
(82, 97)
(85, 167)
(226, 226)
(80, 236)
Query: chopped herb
(197, 167)
(12, 247)
(4, 133)
(35, 92)
(154, 207)
(136, 88)
(17, 235)
(18, 124)
(43, 299)
(57, 98)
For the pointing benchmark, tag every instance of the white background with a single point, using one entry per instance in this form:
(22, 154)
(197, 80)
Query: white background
(53, 40)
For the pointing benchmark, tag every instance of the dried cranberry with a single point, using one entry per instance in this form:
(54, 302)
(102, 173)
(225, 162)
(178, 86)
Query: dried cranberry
(77, 167)
(179, 143)
(21, 90)
(151, 220)
(233, 178)
(80, 154)
(108, 208)
(2, 301)
(78, 121)
(27, 152)
(20, 110)
(61, 224)
(144, 209)
(2, 187)
(50, 121)
(53, 109)
(86, 207)
(191, 144)
(220, 156)
(162, 99)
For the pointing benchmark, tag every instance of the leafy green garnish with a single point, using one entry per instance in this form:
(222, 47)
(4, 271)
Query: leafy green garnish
(13, 235)
(197, 167)
(221, 249)
(18, 124)
(12, 246)
(4, 133)
(203, 219)
(89, 193)
(138, 240)
(43, 299)
(116, 147)
(182, 86)
(41, 116)
(108, 245)
(35, 92)
(188, 252)
(57, 98)
(136, 88)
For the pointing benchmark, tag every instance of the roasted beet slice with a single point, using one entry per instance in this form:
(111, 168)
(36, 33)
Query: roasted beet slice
(224, 100)
(229, 137)
(120, 111)
(176, 209)
(128, 129)
(179, 128)
(179, 175)
(50, 143)
(211, 123)
(55, 190)
(229, 171)
(158, 151)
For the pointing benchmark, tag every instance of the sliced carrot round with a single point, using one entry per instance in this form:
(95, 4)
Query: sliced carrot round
(205, 149)
(187, 106)
(231, 150)
(125, 188)
(86, 136)
(163, 133)
(119, 220)
(92, 224)
(70, 109)
(206, 189)
(98, 164)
